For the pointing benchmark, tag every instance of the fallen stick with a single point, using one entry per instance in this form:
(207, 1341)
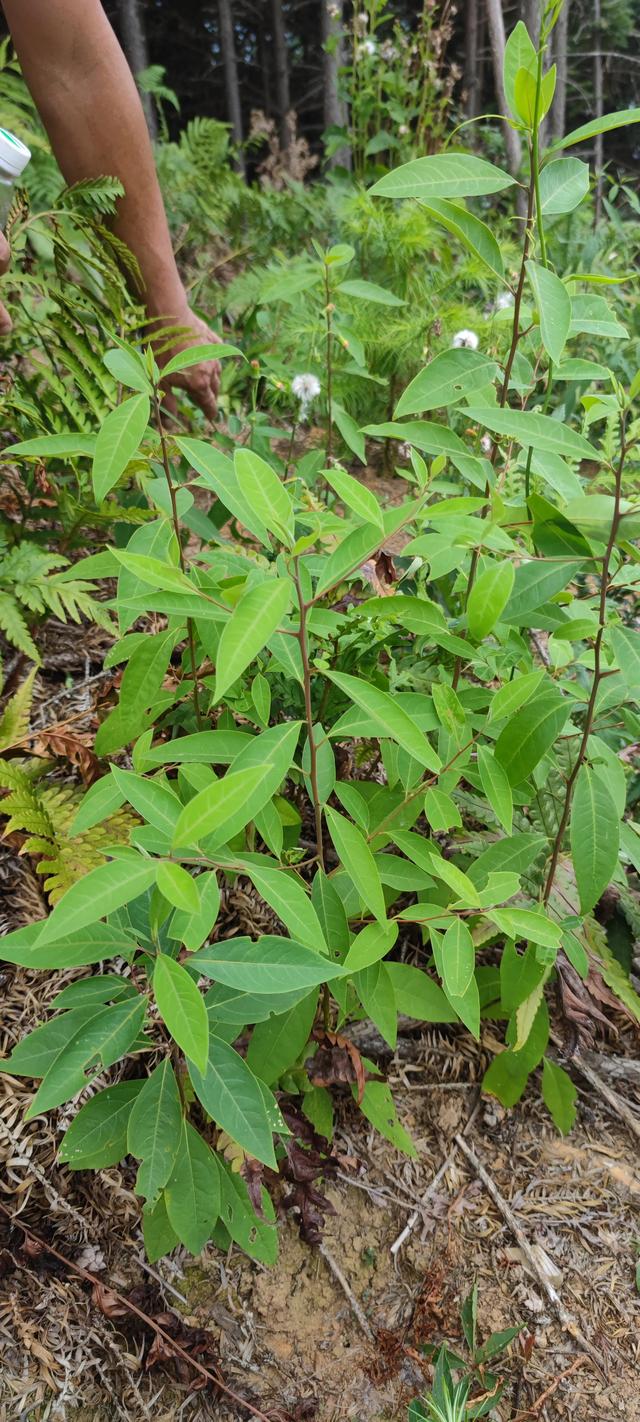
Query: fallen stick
(413, 1220)
(566, 1319)
(536, 1406)
(348, 1292)
(607, 1093)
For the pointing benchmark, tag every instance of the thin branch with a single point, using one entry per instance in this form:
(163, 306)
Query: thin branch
(175, 518)
(303, 641)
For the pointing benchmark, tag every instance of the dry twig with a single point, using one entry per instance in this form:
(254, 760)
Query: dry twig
(446, 1165)
(348, 1292)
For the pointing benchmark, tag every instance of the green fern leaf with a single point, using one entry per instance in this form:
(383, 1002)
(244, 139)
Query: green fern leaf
(15, 628)
(14, 722)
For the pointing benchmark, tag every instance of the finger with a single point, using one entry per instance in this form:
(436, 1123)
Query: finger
(5, 253)
(207, 401)
(6, 324)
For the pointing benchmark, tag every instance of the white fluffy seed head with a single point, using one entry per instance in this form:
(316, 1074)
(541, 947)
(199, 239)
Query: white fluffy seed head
(465, 340)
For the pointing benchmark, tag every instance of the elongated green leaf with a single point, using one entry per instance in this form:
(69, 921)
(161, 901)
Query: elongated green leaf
(153, 801)
(496, 787)
(195, 355)
(626, 647)
(349, 555)
(514, 854)
(540, 431)
(458, 958)
(272, 965)
(56, 446)
(422, 434)
(192, 1193)
(418, 996)
(182, 1008)
(375, 990)
(103, 1039)
(514, 694)
(351, 435)
(119, 438)
(355, 495)
(623, 119)
(178, 887)
(264, 491)
(595, 836)
(470, 231)
(257, 1237)
(559, 1095)
(450, 377)
(155, 573)
(277, 1043)
(370, 291)
(97, 1136)
(231, 1094)
(529, 734)
(535, 583)
(191, 928)
(213, 807)
(128, 368)
(155, 1129)
(554, 308)
(489, 597)
(354, 852)
(102, 891)
(379, 1108)
(459, 882)
(100, 801)
(527, 924)
(254, 620)
(35, 1054)
(445, 175)
(71, 951)
(291, 903)
(519, 54)
(203, 747)
(141, 683)
(370, 945)
(391, 718)
(217, 473)
(563, 186)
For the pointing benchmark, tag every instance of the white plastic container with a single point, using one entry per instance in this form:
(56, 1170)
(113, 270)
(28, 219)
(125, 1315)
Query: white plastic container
(14, 156)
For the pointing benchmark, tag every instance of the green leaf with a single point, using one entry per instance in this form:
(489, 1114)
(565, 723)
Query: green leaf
(291, 902)
(460, 883)
(101, 800)
(370, 291)
(458, 959)
(128, 368)
(595, 836)
(529, 734)
(391, 718)
(56, 446)
(195, 355)
(514, 854)
(469, 230)
(277, 1043)
(506, 1078)
(626, 648)
(535, 583)
(527, 923)
(153, 801)
(450, 377)
(519, 53)
(351, 435)
(563, 185)
(118, 439)
(623, 119)
(178, 887)
(212, 808)
(156, 574)
(496, 787)
(97, 1136)
(355, 495)
(182, 1008)
(418, 996)
(141, 683)
(375, 990)
(445, 175)
(231, 1095)
(422, 434)
(192, 1193)
(264, 491)
(379, 1108)
(354, 853)
(253, 621)
(540, 431)
(440, 810)
(270, 965)
(35, 1054)
(559, 1095)
(514, 694)
(100, 892)
(554, 308)
(273, 752)
(155, 1130)
(349, 555)
(331, 912)
(72, 951)
(488, 598)
(192, 928)
(103, 1039)
(370, 945)
(217, 473)
(159, 1237)
(257, 1237)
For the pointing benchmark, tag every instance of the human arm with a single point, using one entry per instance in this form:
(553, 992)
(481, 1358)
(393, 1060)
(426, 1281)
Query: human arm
(87, 99)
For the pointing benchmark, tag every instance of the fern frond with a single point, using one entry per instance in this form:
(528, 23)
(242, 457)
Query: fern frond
(15, 629)
(93, 195)
(14, 722)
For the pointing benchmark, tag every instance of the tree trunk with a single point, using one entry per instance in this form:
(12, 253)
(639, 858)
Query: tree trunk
(560, 43)
(598, 103)
(531, 14)
(497, 38)
(336, 114)
(228, 46)
(134, 41)
(281, 58)
(471, 69)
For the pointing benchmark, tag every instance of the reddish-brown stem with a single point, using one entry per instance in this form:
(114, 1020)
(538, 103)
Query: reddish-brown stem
(598, 673)
(328, 311)
(313, 750)
(175, 519)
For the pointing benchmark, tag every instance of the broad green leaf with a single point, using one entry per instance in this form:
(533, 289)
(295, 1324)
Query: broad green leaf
(370, 291)
(379, 1108)
(71, 951)
(513, 694)
(554, 308)
(153, 801)
(331, 912)
(470, 231)
(102, 891)
(461, 885)
(496, 787)
(527, 924)
(102, 1040)
(231, 1094)
(595, 836)
(273, 752)
(119, 438)
(191, 928)
(349, 556)
(55, 446)
(156, 574)
(264, 491)
(217, 473)
(578, 369)
(488, 598)
(513, 854)
(370, 946)
(540, 431)
(422, 434)
(520, 975)
(271, 965)
(506, 1078)
(257, 1237)
(155, 1129)
(391, 718)
(626, 647)
(35, 1054)
(529, 734)
(97, 1136)
(141, 684)
(445, 175)
(375, 990)
(623, 119)
(355, 495)
(559, 1095)
(209, 747)
(418, 996)
(440, 810)
(84, 992)
(192, 1193)
(563, 185)
(458, 959)
(177, 886)
(213, 807)
(351, 435)
(101, 800)
(256, 617)
(182, 1008)
(535, 583)
(355, 855)
(519, 53)
(291, 902)
(128, 368)
(195, 355)
(277, 1043)
(450, 377)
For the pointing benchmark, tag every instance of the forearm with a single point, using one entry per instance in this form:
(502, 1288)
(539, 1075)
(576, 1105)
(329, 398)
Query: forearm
(86, 96)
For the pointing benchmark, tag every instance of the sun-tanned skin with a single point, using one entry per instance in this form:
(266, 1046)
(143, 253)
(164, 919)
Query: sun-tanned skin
(87, 99)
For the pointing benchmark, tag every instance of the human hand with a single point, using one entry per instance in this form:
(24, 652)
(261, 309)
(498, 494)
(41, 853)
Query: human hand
(5, 257)
(201, 382)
